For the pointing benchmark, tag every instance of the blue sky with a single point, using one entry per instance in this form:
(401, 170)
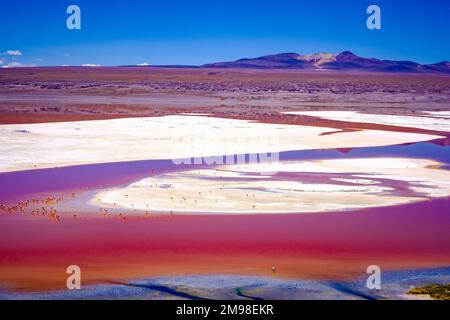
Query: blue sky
(197, 32)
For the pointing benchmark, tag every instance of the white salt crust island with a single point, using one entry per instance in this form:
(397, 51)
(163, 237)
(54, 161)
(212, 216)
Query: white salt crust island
(319, 186)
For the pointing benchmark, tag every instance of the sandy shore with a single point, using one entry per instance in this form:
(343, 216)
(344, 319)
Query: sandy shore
(241, 287)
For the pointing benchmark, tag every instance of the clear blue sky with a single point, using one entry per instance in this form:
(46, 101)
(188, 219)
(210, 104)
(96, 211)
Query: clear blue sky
(197, 32)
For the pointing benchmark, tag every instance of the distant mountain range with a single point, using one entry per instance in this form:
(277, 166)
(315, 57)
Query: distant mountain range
(328, 61)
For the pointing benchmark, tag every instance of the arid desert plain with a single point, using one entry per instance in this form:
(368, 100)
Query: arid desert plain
(203, 183)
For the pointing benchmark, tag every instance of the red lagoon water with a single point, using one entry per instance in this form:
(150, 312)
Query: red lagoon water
(34, 252)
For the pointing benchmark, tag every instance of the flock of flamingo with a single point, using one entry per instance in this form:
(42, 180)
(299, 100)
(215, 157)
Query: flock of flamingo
(36, 207)
(46, 207)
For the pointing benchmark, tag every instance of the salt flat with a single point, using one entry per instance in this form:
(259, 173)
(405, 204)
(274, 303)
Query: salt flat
(47, 145)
